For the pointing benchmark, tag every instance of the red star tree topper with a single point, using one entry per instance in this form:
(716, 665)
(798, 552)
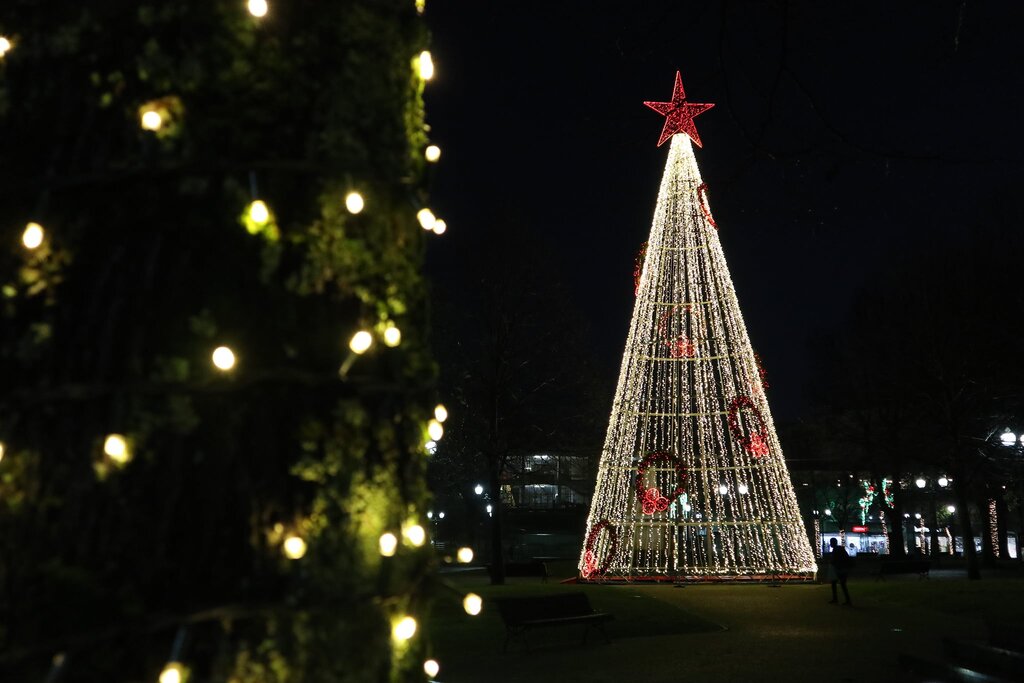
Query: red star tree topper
(679, 114)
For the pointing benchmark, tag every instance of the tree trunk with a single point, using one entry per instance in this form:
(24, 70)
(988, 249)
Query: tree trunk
(964, 513)
(497, 547)
(897, 525)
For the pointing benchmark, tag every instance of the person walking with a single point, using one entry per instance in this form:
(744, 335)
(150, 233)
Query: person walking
(838, 570)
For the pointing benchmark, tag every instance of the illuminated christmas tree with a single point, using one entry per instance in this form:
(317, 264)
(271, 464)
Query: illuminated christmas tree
(692, 483)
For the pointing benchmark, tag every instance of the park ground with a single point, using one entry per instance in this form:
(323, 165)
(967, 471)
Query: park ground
(724, 633)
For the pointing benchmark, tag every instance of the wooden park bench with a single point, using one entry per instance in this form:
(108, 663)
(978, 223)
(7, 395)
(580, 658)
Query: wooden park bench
(521, 615)
(919, 567)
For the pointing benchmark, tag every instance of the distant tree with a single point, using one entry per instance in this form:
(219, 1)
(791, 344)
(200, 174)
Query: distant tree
(517, 360)
(138, 135)
(926, 363)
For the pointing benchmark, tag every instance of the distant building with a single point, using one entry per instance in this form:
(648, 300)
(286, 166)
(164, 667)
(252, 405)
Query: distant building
(547, 481)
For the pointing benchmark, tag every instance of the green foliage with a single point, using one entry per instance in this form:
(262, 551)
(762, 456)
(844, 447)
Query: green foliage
(149, 263)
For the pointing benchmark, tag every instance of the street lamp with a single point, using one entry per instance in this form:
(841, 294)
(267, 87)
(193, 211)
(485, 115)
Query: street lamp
(921, 483)
(1008, 438)
(478, 489)
(943, 482)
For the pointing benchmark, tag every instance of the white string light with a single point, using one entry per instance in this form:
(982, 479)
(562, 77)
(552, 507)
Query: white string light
(258, 8)
(426, 65)
(116, 447)
(472, 603)
(687, 360)
(33, 236)
(431, 668)
(360, 342)
(388, 544)
(294, 547)
(392, 335)
(223, 358)
(404, 629)
(151, 120)
(426, 218)
(354, 202)
(432, 153)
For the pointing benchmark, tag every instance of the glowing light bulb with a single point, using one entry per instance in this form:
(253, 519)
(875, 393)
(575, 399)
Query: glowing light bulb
(258, 212)
(392, 336)
(151, 120)
(431, 447)
(432, 153)
(354, 202)
(431, 667)
(472, 603)
(258, 8)
(1008, 438)
(426, 66)
(426, 218)
(439, 227)
(404, 629)
(440, 413)
(388, 544)
(415, 534)
(724, 490)
(360, 342)
(421, 5)
(943, 482)
(742, 488)
(172, 673)
(478, 489)
(116, 447)
(1, 451)
(33, 236)
(435, 430)
(5, 46)
(828, 513)
(223, 358)
(950, 509)
(294, 547)
(465, 555)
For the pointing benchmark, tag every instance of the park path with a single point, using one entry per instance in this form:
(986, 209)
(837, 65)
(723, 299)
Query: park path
(789, 633)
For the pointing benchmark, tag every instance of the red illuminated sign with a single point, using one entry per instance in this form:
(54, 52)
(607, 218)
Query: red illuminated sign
(859, 529)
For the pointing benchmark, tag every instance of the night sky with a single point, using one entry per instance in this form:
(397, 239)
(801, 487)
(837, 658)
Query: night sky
(844, 134)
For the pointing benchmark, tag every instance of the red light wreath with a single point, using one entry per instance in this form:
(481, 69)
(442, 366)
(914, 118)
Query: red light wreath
(756, 442)
(702, 200)
(679, 346)
(638, 267)
(652, 500)
(590, 564)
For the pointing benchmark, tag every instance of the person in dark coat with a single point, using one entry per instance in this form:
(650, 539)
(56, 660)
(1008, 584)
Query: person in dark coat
(838, 570)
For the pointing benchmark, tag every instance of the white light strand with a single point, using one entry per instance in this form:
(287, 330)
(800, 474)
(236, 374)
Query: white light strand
(993, 527)
(687, 357)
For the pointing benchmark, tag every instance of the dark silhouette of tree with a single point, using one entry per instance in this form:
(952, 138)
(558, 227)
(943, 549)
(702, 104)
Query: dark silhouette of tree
(926, 369)
(516, 357)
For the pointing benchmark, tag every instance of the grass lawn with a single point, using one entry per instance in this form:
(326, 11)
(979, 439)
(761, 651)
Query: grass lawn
(719, 632)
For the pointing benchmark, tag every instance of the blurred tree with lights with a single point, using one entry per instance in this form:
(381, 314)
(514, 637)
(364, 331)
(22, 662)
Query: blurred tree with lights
(178, 178)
